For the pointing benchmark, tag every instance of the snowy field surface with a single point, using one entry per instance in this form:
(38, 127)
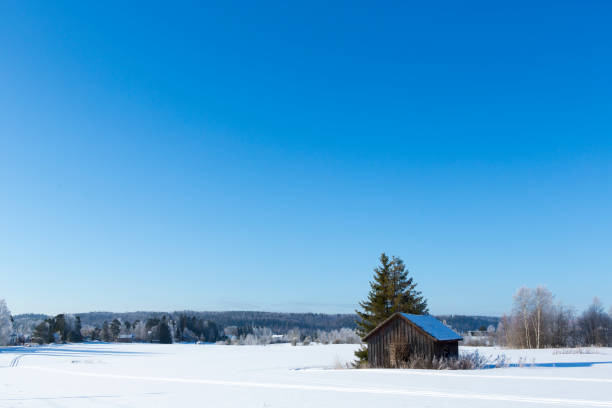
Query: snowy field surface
(153, 375)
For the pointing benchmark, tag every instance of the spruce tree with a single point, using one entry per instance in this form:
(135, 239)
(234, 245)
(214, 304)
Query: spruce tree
(76, 335)
(115, 329)
(392, 290)
(96, 334)
(106, 334)
(165, 337)
(60, 327)
(42, 333)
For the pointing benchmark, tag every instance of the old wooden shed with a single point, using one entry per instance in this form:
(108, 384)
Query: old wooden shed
(403, 335)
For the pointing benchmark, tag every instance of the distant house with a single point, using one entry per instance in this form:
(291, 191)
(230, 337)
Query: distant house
(125, 338)
(404, 335)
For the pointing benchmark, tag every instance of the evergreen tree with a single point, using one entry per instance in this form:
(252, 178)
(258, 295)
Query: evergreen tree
(165, 337)
(96, 334)
(42, 333)
(404, 297)
(183, 324)
(392, 290)
(115, 329)
(106, 334)
(152, 322)
(59, 326)
(75, 334)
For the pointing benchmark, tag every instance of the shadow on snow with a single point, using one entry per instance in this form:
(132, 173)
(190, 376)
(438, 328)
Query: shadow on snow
(551, 365)
(67, 350)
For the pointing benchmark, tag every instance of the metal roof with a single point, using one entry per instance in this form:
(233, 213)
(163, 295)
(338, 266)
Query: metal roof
(433, 327)
(429, 324)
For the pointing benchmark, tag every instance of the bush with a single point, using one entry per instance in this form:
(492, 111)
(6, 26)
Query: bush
(465, 361)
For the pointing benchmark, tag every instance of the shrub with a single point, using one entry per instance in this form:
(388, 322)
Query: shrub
(465, 361)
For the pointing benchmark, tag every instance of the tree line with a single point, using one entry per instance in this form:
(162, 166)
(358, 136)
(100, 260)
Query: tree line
(276, 321)
(165, 328)
(535, 321)
(309, 324)
(538, 321)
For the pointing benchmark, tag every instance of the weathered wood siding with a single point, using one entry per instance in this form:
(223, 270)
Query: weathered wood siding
(447, 348)
(398, 340)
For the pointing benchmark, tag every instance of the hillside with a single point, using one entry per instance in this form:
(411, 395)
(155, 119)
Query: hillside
(278, 322)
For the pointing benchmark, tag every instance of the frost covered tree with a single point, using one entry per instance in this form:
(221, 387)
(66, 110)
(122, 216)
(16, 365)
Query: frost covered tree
(248, 340)
(72, 329)
(537, 322)
(523, 304)
(90, 332)
(294, 336)
(24, 326)
(257, 336)
(595, 325)
(6, 324)
(61, 328)
(342, 336)
(140, 331)
(542, 312)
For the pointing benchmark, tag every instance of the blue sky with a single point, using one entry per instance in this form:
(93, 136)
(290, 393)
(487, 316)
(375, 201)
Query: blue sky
(261, 156)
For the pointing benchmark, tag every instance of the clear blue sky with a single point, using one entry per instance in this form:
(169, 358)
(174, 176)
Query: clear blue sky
(262, 155)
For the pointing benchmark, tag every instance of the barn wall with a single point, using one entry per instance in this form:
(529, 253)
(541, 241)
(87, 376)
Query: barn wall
(395, 339)
(448, 349)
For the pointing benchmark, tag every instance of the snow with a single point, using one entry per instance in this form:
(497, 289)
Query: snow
(156, 375)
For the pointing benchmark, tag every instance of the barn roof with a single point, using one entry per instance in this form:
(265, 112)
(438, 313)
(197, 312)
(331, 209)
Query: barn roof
(433, 327)
(429, 324)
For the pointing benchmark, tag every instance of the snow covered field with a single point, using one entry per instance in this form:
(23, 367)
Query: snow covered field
(149, 375)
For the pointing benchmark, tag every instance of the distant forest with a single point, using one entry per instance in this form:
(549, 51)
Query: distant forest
(277, 322)
(463, 324)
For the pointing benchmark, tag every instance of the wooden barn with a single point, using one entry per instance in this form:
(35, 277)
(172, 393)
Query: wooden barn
(404, 335)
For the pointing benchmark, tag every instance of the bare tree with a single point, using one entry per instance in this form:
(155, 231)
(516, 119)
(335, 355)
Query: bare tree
(523, 306)
(562, 326)
(595, 325)
(536, 321)
(503, 332)
(542, 303)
